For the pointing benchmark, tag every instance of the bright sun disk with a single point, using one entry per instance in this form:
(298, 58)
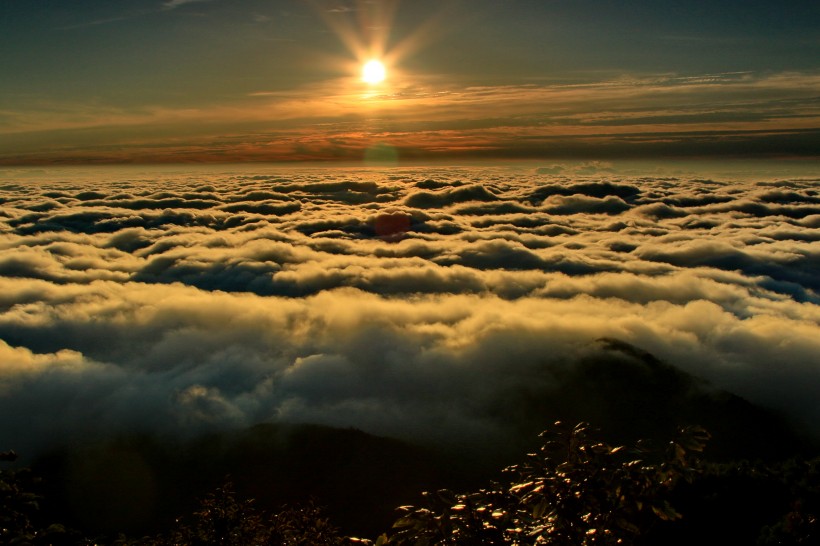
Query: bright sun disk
(373, 72)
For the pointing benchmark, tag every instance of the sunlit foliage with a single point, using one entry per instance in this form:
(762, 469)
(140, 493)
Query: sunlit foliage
(575, 490)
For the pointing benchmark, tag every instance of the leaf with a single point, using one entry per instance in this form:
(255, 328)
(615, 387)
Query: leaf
(680, 453)
(694, 438)
(519, 486)
(55, 529)
(627, 526)
(541, 509)
(406, 521)
(666, 512)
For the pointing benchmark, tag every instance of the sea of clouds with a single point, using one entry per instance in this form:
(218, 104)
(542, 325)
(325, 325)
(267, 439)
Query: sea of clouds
(407, 302)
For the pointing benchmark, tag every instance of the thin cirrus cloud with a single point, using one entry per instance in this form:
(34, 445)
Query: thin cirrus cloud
(720, 113)
(173, 4)
(178, 300)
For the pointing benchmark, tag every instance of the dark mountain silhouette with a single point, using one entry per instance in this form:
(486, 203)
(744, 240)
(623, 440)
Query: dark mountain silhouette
(139, 483)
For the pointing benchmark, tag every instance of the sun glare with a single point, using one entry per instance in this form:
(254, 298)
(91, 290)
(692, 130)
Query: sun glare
(373, 72)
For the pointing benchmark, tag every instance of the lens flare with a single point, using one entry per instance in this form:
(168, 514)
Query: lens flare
(364, 28)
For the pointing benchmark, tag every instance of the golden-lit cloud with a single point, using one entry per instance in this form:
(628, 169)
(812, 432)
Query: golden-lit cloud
(208, 80)
(424, 116)
(185, 299)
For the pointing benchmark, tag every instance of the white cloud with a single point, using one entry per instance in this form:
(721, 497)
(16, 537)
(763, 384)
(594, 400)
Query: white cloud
(172, 4)
(134, 307)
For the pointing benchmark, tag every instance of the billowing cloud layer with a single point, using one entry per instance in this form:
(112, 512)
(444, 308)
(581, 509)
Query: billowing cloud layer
(406, 302)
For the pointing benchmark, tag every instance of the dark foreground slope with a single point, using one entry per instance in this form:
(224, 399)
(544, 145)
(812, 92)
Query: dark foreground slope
(139, 483)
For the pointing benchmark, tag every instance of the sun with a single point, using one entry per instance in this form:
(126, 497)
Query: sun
(373, 72)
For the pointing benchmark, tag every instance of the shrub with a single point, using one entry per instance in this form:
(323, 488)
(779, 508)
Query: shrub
(224, 520)
(575, 491)
(20, 521)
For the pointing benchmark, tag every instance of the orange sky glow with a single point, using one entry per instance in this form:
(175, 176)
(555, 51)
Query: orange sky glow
(317, 108)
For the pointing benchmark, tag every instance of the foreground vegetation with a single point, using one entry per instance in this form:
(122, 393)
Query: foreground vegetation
(575, 490)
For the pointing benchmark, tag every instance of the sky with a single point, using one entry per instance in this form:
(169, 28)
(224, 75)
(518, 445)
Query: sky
(440, 305)
(146, 81)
